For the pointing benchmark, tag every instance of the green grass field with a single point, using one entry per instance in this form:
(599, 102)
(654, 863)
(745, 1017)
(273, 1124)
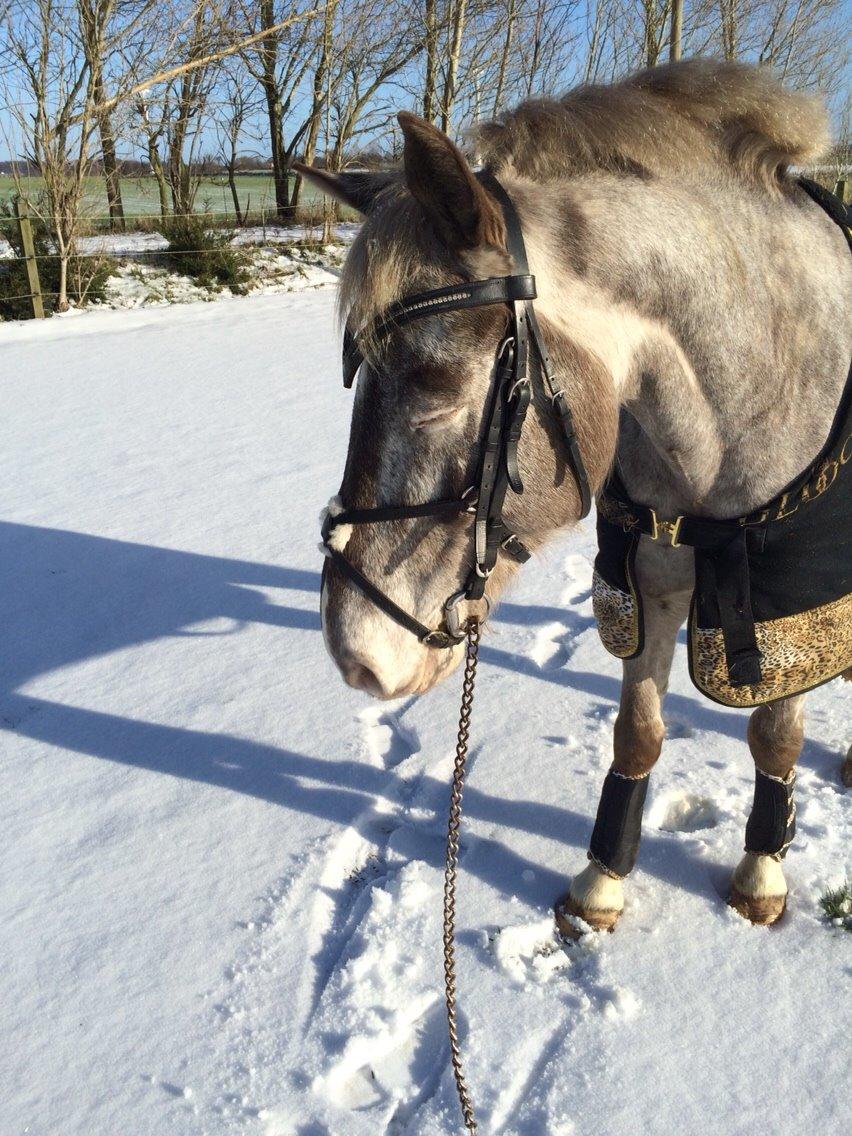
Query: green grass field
(140, 198)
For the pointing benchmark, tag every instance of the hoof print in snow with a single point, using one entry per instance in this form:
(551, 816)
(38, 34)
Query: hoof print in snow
(617, 1002)
(529, 952)
(578, 580)
(396, 1067)
(677, 728)
(684, 812)
(554, 646)
(388, 740)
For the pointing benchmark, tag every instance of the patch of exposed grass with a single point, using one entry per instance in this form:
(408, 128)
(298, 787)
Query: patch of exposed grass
(836, 904)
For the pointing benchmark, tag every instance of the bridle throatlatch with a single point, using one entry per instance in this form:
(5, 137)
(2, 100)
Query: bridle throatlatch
(506, 408)
(507, 403)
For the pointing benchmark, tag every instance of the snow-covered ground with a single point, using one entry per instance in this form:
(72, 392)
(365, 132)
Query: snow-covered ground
(271, 269)
(221, 869)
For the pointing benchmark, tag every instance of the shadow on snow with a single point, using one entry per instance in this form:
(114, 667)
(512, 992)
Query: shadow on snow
(68, 597)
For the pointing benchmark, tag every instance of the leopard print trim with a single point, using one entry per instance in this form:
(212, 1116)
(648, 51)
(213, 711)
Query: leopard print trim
(617, 615)
(799, 652)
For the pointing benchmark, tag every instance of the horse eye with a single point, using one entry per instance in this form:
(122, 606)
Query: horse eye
(434, 419)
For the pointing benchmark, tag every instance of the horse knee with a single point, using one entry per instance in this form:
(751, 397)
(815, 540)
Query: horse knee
(638, 733)
(775, 737)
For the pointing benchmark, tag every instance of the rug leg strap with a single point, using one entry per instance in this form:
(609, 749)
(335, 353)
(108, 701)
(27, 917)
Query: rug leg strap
(772, 822)
(618, 825)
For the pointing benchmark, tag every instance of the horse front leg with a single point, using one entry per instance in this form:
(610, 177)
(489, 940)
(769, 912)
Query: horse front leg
(596, 895)
(775, 737)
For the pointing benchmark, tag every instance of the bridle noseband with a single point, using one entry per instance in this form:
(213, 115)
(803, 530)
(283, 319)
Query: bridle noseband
(506, 408)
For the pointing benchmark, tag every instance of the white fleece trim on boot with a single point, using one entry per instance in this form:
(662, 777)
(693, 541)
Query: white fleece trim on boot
(594, 890)
(759, 877)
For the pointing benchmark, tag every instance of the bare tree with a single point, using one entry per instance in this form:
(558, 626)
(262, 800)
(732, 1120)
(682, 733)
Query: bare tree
(94, 18)
(184, 108)
(456, 22)
(279, 64)
(430, 92)
(57, 118)
(231, 123)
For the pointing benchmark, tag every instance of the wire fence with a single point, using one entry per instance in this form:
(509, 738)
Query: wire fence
(28, 296)
(304, 217)
(122, 254)
(160, 256)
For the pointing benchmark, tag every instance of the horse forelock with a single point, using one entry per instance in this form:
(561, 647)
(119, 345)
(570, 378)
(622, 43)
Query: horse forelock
(395, 254)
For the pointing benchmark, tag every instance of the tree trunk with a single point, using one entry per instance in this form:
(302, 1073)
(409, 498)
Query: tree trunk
(655, 22)
(320, 96)
(275, 114)
(504, 56)
(62, 298)
(429, 90)
(676, 30)
(728, 22)
(111, 175)
(280, 173)
(459, 13)
(235, 197)
(159, 173)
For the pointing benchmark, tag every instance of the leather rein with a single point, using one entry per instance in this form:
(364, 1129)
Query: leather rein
(506, 408)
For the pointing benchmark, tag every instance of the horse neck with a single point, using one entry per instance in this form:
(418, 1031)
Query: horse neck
(717, 314)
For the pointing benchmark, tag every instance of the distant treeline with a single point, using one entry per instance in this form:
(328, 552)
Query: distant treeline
(207, 166)
(130, 167)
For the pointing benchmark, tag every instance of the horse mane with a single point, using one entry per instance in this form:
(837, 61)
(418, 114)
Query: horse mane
(697, 113)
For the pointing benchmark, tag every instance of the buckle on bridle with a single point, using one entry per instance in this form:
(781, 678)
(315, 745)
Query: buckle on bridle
(670, 528)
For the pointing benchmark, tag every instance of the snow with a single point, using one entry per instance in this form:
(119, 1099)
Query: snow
(115, 244)
(221, 868)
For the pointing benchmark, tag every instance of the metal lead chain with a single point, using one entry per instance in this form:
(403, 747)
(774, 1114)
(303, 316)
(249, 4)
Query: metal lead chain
(453, 833)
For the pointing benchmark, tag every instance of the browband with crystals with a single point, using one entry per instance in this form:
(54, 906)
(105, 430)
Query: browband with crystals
(455, 297)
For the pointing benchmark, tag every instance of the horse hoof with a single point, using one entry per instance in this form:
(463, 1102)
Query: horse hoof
(595, 897)
(762, 910)
(569, 915)
(758, 889)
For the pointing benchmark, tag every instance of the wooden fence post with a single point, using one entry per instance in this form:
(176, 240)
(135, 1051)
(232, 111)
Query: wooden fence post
(22, 212)
(840, 189)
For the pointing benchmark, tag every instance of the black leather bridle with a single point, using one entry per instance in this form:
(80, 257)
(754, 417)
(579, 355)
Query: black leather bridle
(506, 408)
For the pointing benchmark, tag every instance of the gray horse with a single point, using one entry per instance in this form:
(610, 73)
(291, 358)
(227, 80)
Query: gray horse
(694, 302)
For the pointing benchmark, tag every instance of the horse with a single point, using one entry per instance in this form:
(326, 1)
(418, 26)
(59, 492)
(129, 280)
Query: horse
(693, 301)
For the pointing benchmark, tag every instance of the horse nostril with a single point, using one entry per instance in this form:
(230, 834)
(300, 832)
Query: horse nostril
(362, 678)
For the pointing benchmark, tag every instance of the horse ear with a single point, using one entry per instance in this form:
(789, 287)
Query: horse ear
(357, 190)
(465, 214)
